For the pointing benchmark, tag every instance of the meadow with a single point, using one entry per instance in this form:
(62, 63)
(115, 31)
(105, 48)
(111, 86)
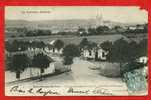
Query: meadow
(68, 39)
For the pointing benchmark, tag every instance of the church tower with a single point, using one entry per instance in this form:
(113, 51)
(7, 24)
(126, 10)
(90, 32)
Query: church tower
(99, 19)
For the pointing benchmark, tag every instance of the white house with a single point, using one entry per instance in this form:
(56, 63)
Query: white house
(143, 59)
(134, 27)
(29, 72)
(51, 49)
(98, 53)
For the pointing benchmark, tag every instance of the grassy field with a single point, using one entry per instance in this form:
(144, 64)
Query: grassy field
(137, 37)
(71, 39)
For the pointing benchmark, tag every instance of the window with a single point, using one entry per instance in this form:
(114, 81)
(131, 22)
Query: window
(103, 54)
(90, 53)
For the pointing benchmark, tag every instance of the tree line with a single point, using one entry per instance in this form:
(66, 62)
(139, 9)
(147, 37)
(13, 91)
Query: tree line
(17, 45)
(120, 50)
(22, 32)
(123, 51)
(81, 31)
(19, 62)
(101, 30)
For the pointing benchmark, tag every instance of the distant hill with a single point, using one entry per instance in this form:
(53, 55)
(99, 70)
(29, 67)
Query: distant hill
(58, 25)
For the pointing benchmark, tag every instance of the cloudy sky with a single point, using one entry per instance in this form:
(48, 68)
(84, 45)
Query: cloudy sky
(118, 14)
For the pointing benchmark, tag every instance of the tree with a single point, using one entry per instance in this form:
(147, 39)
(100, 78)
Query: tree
(130, 66)
(145, 28)
(41, 45)
(84, 43)
(18, 63)
(16, 46)
(69, 52)
(117, 28)
(33, 44)
(7, 61)
(41, 61)
(120, 51)
(30, 33)
(143, 46)
(82, 31)
(101, 29)
(133, 50)
(68, 60)
(43, 32)
(107, 45)
(91, 31)
(91, 45)
(38, 32)
(58, 44)
(8, 46)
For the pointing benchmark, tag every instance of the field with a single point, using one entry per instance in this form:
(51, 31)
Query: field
(137, 37)
(71, 38)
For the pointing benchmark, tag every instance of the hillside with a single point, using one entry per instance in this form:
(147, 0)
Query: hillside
(59, 25)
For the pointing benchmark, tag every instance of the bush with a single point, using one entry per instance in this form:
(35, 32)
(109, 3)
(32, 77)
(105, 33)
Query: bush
(110, 69)
(130, 67)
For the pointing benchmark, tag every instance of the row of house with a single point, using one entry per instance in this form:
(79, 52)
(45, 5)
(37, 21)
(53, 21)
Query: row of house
(95, 53)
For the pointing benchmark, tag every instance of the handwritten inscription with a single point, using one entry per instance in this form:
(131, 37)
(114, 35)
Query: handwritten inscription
(34, 91)
(55, 91)
(96, 91)
(71, 90)
(17, 89)
(47, 92)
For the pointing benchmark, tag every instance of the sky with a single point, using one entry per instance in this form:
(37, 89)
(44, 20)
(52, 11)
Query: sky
(123, 14)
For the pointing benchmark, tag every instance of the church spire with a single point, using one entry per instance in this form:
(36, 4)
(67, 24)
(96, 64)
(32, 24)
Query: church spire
(99, 18)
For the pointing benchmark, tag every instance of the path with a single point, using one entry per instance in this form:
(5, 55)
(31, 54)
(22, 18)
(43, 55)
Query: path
(82, 75)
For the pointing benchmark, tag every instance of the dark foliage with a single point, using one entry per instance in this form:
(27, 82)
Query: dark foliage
(58, 44)
(41, 61)
(18, 63)
(131, 66)
(71, 50)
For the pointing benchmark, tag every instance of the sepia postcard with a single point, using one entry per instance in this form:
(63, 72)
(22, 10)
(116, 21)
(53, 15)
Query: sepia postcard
(76, 51)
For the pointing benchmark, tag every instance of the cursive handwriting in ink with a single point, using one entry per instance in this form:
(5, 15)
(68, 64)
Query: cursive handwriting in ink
(46, 92)
(17, 89)
(72, 90)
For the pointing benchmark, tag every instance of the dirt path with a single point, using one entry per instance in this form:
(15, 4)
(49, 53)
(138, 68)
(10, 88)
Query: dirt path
(81, 75)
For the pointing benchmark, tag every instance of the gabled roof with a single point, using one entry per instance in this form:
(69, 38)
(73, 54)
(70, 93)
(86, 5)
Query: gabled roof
(52, 42)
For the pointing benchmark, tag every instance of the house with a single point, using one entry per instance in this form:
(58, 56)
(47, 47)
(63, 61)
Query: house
(134, 27)
(32, 49)
(140, 27)
(53, 50)
(95, 53)
(30, 72)
(142, 59)
(50, 48)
